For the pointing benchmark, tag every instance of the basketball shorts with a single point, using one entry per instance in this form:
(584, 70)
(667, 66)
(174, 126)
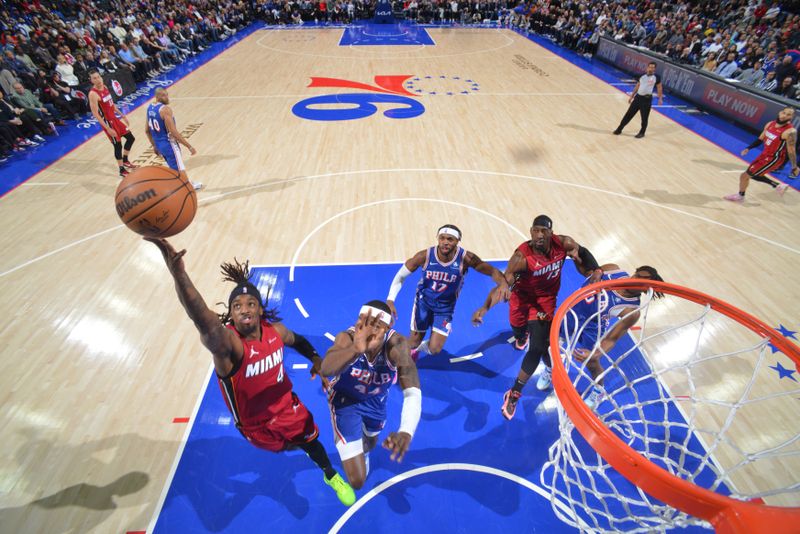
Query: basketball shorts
(424, 316)
(763, 165)
(523, 309)
(291, 425)
(119, 127)
(171, 151)
(351, 420)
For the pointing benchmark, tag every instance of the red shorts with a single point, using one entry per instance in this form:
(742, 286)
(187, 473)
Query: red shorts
(765, 164)
(291, 425)
(524, 308)
(119, 127)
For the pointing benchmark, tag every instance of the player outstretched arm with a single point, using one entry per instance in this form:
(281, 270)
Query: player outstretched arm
(149, 135)
(472, 260)
(760, 139)
(169, 121)
(516, 265)
(627, 318)
(400, 356)
(412, 264)
(583, 257)
(224, 345)
(305, 348)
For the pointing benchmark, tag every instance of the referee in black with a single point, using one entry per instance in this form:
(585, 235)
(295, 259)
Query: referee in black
(641, 98)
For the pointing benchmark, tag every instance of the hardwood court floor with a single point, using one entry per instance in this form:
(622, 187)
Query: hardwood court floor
(98, 356)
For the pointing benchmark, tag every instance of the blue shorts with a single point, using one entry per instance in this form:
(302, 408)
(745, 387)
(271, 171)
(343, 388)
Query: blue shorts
(424, 316)
(352, 419)
(171, 151)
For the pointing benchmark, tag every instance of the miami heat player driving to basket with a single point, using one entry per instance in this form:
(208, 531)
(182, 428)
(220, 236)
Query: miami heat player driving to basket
(247, 346)
(779, 138)
(535, 272)
(114, 123)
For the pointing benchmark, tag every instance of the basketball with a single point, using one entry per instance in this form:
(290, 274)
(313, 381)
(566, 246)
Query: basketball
(155, 201)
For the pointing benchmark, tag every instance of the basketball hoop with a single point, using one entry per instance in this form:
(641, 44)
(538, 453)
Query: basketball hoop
(681, 433)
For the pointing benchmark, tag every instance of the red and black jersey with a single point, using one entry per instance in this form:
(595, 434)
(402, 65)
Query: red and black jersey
(258, 381)
(774, 144)
(542, 277)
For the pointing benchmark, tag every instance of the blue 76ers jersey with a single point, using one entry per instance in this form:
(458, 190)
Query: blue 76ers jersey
(156, 123)
(441, 282)
(363, 380)
(609, 303)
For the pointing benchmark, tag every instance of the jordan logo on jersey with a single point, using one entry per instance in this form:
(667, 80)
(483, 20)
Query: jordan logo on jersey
(264, 364)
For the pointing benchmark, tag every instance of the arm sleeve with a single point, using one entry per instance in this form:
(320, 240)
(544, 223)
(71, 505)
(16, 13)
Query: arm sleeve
(397, 283)
(304, 347)
(587, 260)
(412, 410)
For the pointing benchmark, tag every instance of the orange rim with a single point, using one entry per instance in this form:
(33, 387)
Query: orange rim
(726, 514)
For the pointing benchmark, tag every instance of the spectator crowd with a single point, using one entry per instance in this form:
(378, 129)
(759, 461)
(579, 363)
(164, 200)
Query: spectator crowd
(49, 47)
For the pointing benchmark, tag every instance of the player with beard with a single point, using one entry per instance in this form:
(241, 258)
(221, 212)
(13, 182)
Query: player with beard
(247, 346)
(444, 267)
(780, 141)
(534, 272)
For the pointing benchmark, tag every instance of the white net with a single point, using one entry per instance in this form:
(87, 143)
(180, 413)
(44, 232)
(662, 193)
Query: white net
(694, 392)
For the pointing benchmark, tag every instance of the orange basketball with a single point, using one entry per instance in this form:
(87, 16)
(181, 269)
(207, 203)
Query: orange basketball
(156, 201)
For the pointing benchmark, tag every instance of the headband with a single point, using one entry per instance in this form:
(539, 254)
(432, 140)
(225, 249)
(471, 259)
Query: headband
(244, 289)
(449, 231)
(376, 312)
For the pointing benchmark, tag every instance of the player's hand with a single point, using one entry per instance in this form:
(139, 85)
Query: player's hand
(477, 317)
(597, 274)
(173, 259)
(660, 101)
(112, 133)
(367, 330)
(503, 292)
(795, 171)
(192, 150)
(398, 443)
(125, 120)
(745, 151)
(581, 355)
(390, 303)
(630, 99)
(316, 365)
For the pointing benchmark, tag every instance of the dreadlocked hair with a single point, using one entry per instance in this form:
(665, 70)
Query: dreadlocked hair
(653, 276)
(239, 273)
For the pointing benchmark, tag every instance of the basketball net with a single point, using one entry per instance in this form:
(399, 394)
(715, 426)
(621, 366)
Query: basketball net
(692, 426)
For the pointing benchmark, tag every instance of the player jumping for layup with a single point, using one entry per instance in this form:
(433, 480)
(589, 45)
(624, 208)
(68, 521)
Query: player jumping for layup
(367, 359)
(443, 270)
(164, 135)
(780, 139)
(535, 272)
(116, 127)
(247, 345)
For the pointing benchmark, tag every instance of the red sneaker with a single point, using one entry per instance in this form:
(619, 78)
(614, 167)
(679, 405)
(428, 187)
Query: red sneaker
(129, 165)
(510, 399)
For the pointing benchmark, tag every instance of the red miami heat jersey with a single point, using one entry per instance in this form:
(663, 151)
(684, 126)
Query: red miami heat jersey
(258, 381)
(774, 144)
(106, 104)
(542, 278)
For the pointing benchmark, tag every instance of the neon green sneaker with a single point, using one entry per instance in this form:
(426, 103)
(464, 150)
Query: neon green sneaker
(342, 489)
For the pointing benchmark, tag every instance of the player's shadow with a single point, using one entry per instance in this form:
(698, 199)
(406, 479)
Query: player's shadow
(721, 165)
(99, 500)
(240, 474)
(201, 160)
(524, 154)
(232, 192)
(694, 200)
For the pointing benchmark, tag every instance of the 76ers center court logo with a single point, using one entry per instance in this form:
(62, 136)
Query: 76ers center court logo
(394, 91)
